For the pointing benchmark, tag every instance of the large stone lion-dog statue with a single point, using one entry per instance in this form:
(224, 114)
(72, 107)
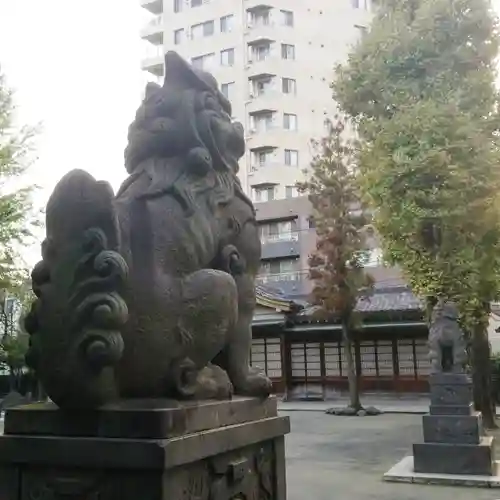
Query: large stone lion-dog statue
(150, 294)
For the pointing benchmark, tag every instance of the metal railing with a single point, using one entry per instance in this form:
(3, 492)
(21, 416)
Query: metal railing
(263, 279)
(275, 238)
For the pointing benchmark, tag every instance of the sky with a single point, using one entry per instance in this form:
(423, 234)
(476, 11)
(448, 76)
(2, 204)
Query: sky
(75, 68)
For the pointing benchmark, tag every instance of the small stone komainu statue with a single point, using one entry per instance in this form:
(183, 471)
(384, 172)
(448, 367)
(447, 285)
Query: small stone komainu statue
(447, 345)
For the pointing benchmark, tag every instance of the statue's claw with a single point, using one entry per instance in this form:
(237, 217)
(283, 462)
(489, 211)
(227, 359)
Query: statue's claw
(255, 384)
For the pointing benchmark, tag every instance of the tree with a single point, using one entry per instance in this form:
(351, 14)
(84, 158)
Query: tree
(14, 340)
(420, 88)
(18, 216)
(336, 267)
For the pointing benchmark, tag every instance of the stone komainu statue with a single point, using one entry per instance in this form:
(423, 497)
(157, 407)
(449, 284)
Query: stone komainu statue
(151, 293)
(447, 345)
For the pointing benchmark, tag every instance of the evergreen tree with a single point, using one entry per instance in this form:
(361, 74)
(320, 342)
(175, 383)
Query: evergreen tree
(420, 87)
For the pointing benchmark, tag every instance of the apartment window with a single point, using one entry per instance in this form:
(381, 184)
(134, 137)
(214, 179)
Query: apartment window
(262, 194)
(280, 267)
(262, 122)
(279, 231)
(203, 29)
(196, 3)
(178, 36)
(260, 52)
(178, 5)
(312, 223)
(227, 57)
(260, 18)
(203, 62)
(291, 192)
(287, 51)
(287, 18)
(263, 158)
(289, 86)
(226, 23)
(291, 157)
(262, 86)
(227, 89)
(290, 121)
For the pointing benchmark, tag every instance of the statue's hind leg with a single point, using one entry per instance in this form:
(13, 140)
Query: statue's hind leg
(210, 310)
(235, 358)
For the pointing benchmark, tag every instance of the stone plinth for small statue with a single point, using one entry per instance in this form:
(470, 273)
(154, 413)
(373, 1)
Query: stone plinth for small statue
(455, 448)
(156, 450)
(141, 330)
(454, 439)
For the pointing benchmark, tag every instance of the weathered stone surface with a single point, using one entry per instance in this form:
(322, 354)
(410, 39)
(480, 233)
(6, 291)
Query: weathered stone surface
(448, 378)
(445, 458)
(150, 293)
(153, 419)
(229, 461)
(450, 394)
(453, 429)
(451, 409)
(447, 346)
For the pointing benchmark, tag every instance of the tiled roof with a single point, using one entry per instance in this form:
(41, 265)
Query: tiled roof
(399, 299)
(274, 297)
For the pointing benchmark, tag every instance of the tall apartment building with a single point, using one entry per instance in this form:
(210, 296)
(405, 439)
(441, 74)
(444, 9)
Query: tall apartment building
(274, 60)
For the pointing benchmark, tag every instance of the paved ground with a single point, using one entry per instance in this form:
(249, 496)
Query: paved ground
(417, 404)
(389, 403)
(345, 457)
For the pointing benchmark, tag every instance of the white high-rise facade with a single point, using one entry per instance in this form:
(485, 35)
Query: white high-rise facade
(274, 60)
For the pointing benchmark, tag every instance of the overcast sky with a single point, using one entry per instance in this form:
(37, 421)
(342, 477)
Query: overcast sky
(75, 67)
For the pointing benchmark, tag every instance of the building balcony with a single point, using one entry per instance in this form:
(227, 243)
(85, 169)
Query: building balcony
(252, 6)
(262, 67)
(279, 246)
(154, 64)
(153, 31)
(154, 6)
(260, 102)
(292, 283)
(260, 33)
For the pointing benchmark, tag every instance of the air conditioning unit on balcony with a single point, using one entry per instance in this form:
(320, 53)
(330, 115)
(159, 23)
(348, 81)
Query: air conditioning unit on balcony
(254, 168)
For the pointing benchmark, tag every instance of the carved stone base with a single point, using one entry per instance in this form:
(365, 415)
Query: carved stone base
(146, 449)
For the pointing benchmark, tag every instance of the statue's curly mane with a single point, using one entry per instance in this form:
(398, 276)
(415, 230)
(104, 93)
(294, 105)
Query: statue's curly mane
(185, 140)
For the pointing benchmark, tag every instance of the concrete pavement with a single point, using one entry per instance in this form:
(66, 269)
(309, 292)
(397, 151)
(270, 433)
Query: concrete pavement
(343, 457)
(408, 404)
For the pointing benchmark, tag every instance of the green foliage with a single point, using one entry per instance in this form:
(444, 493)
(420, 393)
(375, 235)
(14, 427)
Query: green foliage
(420, 88)
(18, 217)
(337, 265)
(14, 340)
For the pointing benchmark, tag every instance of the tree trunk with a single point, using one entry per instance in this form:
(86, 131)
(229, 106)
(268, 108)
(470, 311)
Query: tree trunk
(351, 369)
(481, 376)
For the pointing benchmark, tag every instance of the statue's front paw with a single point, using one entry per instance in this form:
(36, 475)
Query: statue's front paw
(256, 384)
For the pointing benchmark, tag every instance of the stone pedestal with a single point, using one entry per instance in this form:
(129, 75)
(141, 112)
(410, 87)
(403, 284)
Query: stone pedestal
(155, 450)
(454, 440)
